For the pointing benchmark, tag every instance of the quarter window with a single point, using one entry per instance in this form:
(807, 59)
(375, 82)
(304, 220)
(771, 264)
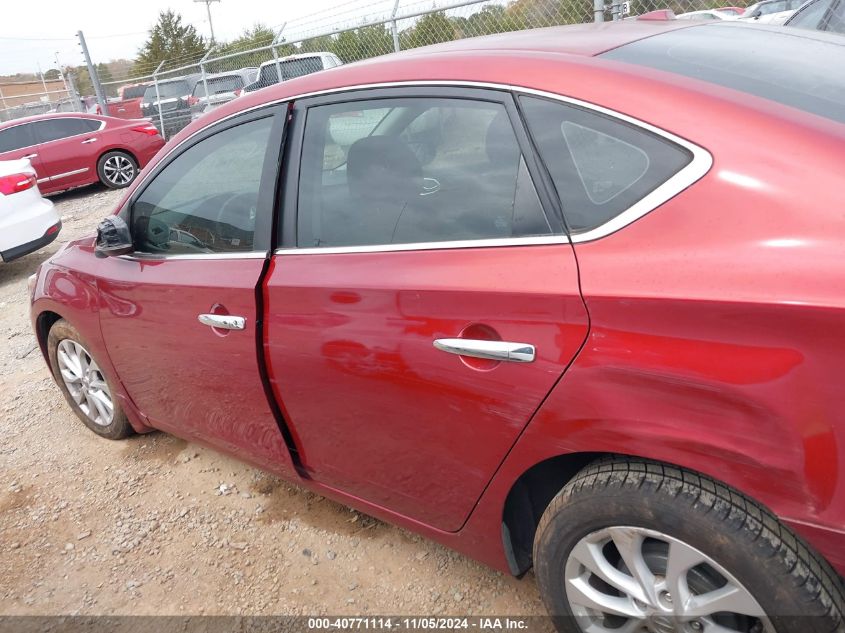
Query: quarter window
(205, 201)
(410, 170)
(600, 166)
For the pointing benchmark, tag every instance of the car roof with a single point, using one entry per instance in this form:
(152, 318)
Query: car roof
(51, 115)
(296, 56)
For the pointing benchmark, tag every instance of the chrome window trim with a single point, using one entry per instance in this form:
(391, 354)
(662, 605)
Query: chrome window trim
(427, 246)
(700, 164)
(145, 257)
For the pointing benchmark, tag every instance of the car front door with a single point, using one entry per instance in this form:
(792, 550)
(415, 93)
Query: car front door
(425, 299)
(68, 149)
(18, 141)
(180, 315)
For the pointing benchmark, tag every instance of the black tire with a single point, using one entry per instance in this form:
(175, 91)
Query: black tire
(117, 169)
(119, 427)
(797, 590)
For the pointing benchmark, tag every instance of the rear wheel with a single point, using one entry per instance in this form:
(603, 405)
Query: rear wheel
(631, 546)
(116, 169)
(83, 383)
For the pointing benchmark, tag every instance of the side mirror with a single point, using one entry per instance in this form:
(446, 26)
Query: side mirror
(113, 238)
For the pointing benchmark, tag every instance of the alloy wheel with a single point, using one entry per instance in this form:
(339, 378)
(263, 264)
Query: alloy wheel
(85, 382)
(633, 580)
(119, 170)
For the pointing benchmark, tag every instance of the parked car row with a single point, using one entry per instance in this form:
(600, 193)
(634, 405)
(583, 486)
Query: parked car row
(820, 15)
(175, 102)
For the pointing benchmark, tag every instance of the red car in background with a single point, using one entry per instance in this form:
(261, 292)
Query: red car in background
(128, 102)
(73, 149)
(569, 299)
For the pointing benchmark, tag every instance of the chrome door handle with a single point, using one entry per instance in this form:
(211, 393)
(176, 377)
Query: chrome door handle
(30, 156)
(222, 321)
(494, 350)
(89, 140)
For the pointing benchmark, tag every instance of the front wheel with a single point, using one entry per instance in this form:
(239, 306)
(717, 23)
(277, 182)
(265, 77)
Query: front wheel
(83, 383)
(116, 169)
(630, 546)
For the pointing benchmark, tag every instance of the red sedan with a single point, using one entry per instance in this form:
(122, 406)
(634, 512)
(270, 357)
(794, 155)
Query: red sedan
(570, 299)
(73, 149)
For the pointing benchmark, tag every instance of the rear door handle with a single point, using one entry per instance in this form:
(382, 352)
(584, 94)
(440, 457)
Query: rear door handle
(223, 321)
(30, 156)
(89, 140)
(494, 350)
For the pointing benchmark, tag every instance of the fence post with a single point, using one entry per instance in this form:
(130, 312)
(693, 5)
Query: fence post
(616, 10)
(598, 10)
(393, 28)
(202, 70)
(158, 100)
(277, 40)
(93, 73)
(77, 105)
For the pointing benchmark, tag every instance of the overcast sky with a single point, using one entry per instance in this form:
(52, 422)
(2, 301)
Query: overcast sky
(32, 33)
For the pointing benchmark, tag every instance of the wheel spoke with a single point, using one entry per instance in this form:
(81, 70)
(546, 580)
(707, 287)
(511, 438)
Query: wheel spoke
(592, 557)
(102, 406)
(629, 544)
(580, 592)
(728, 599)
(682, 558)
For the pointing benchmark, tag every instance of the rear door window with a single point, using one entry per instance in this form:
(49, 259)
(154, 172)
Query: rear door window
(412, 170)
(600, 166)
(57, 129)
(16, 137)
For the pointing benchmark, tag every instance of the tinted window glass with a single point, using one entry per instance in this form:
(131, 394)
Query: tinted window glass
(167, 90)
(786, 66)
(399, 171)
(205, 200)
(56, 129)
(218, 85)
(133, 92)
(16, 137)
(299, 67)
(600, 166)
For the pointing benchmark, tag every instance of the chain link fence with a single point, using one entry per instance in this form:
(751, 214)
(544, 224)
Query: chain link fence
(176, 91)
(26, 98)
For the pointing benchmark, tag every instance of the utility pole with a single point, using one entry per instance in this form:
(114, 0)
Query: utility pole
(208, 8)
(101, 99)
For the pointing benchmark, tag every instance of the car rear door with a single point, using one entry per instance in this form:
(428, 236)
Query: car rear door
(68, 148)
(180, 315)
(425, 299)
(18, 141)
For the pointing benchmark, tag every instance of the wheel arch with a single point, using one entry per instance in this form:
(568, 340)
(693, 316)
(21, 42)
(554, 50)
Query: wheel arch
(43, 322)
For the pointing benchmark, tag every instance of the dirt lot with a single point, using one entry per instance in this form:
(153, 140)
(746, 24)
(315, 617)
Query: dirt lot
(154, 525)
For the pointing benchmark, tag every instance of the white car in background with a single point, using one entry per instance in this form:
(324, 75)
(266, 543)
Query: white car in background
(706, 14)
(774, 12)
(27, 221)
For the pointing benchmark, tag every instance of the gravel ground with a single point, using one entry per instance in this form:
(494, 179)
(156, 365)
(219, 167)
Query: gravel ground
(155, 525)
